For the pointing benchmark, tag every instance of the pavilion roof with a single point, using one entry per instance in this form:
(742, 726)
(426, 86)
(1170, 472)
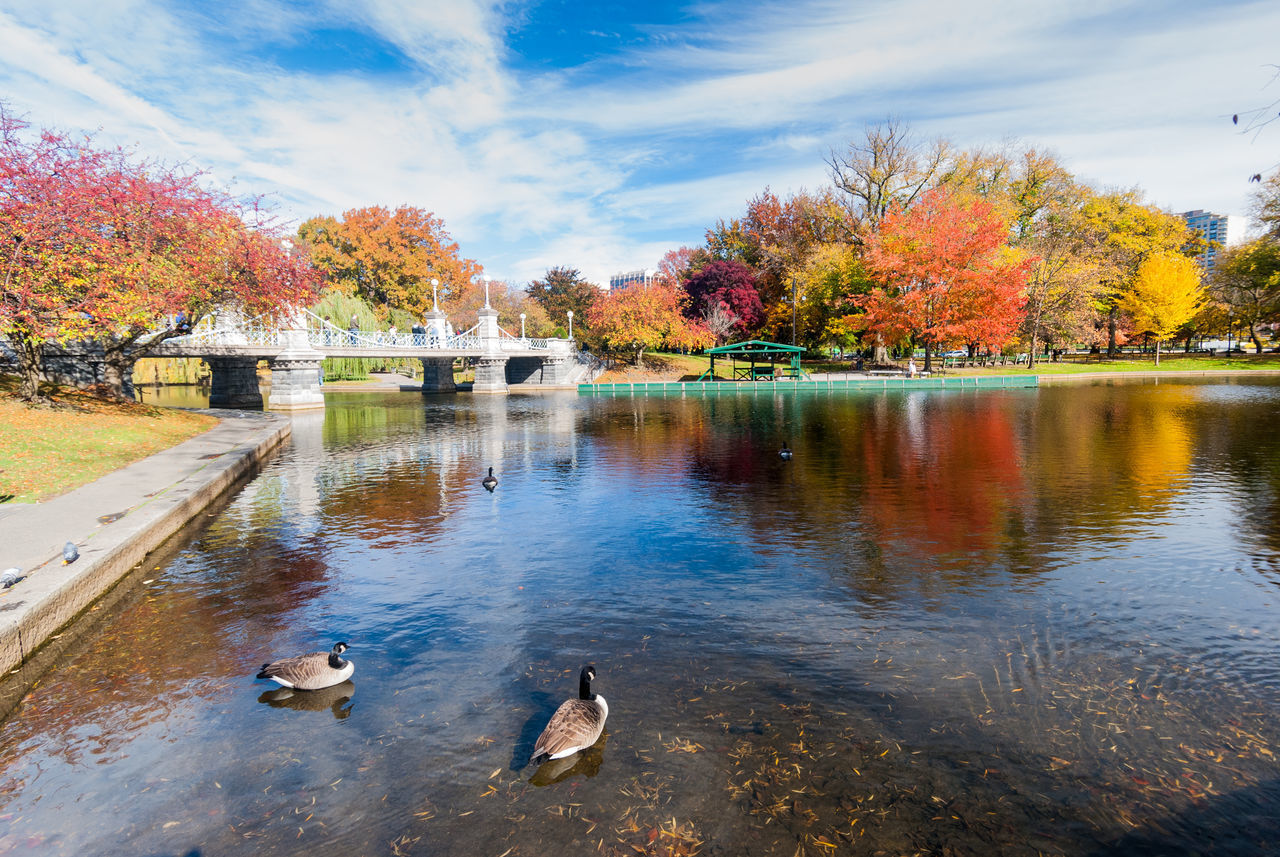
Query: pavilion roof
(754, 348)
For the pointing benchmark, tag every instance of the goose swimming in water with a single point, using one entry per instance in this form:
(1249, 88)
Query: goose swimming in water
(785, 452)
(576, 725)
(489, 482)
(310, 672)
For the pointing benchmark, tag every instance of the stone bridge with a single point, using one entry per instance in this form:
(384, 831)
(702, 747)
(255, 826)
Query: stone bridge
(233, 345)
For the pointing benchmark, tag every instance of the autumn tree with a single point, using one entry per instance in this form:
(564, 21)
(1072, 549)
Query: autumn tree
(1246, 282)
(387, 257)
(731, 284)
(1064, 280)
(1125, 232)
(888, 168)
(943, 272)
(564, 289)
(97, 245)
(826, 286)
(719, 321)
(509, 300)
(774, 238)
(1165, 294)
(637, 319)
(681, 263)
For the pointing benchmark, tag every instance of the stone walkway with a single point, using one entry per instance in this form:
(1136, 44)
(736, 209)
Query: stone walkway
(115, 522)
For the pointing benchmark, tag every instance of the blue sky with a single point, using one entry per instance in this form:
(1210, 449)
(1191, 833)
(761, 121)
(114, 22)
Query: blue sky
(599, 135)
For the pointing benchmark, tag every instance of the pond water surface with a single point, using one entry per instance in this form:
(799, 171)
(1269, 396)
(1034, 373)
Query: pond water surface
(1011, 622)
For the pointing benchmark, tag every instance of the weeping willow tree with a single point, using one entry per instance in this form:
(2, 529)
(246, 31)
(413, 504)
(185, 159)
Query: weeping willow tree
(169, 370)
(340, 310)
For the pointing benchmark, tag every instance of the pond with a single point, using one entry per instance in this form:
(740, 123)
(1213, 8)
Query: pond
(957, 622)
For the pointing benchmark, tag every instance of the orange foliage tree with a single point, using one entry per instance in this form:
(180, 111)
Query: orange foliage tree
(645, 317)
(388, 258)
(944, 274)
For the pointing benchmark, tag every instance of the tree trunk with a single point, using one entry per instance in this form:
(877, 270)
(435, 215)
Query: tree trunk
(1157, 351)
(880, 354)
(1111, 332)
(1031, 355)
(640, 357)
(30, 364)
(928, 356)
(1253, 334)
(117, 369)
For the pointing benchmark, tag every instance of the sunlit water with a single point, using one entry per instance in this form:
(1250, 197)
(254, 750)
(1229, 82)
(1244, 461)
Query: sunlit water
(1012, 622)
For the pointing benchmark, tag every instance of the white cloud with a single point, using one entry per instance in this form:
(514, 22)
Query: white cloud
(592, 167)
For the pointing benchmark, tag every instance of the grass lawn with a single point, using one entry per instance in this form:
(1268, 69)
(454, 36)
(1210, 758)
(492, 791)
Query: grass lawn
(1127, 363)
(687, 367)
(45, 452)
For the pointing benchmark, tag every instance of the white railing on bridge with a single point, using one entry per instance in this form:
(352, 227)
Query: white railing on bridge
(215, 331)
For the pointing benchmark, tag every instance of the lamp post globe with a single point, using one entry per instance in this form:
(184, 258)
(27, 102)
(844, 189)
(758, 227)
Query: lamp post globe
(571, 324)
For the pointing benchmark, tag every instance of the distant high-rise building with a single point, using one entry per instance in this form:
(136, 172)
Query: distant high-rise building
(618, 282)
(1214, 228)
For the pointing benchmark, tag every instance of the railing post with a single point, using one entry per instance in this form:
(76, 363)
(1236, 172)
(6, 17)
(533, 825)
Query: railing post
(437, 329)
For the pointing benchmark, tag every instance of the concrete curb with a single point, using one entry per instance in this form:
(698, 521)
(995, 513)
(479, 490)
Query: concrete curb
(116, 521)
(1067, 378)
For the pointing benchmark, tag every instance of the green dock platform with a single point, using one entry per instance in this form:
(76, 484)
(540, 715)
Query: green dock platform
(818, 384)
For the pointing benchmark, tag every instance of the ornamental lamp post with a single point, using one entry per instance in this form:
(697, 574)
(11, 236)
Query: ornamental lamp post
(486, 292)
(522, 325)
(571, 324)
(435, 304)
(1230, 321)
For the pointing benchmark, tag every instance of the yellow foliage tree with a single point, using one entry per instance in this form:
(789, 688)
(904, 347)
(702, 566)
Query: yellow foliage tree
(1166, 294)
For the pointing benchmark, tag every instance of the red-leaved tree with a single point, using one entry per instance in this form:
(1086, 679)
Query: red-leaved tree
(99, 246)
(728, 284)
(944, 274)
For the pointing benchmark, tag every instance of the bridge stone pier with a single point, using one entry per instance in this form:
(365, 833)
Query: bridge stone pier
(437, 375)
(234, 383)
(295, 372)
(491, 367)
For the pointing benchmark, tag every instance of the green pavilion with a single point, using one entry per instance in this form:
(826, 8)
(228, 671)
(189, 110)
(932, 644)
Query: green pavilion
(766, 361)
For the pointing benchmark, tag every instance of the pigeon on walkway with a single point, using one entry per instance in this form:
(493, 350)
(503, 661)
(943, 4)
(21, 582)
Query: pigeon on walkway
(70, 553)
(11, 576)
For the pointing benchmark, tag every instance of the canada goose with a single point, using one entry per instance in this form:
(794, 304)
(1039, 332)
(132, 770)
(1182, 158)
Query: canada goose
(310, 672)
(576, 724)
(785, 452)
(489, 482)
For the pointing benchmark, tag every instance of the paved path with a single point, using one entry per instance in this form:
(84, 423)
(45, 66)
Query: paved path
(115, 522)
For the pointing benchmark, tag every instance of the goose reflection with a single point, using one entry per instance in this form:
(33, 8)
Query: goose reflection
(587, 763)
(334, 699)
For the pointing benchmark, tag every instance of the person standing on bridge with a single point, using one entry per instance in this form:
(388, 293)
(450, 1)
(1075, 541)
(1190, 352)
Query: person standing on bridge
(419, 333)
(354, 329)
